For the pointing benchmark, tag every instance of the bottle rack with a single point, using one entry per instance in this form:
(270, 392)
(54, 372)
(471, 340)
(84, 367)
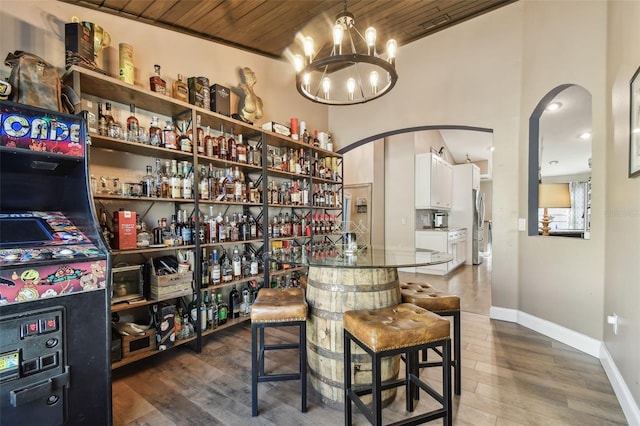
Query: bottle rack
(94, 85)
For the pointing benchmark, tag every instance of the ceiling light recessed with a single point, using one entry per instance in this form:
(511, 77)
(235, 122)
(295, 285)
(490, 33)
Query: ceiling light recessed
(585, 136)
(554, 106)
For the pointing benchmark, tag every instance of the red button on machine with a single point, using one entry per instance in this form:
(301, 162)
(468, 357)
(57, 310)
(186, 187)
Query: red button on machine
(48, 325)
(30, 328)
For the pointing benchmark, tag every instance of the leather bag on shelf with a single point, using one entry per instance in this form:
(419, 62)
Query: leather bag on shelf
(34, 81)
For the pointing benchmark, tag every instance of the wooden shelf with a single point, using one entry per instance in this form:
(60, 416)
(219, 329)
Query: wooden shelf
(106, 142)
(147, 354)
(230, 323)
(233, 282)
(150, 250)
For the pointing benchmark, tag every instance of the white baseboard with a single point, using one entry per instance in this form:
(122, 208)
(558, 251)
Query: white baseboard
(584, 344)
(628, 404)
(503, 314)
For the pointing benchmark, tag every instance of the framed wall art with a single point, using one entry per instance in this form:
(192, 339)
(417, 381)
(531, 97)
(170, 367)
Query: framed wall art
(634, 130)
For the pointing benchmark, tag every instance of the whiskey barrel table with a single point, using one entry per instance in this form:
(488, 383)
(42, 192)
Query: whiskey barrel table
(339, 282)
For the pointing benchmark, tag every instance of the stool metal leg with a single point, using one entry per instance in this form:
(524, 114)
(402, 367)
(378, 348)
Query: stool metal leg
(376, 371)
(303, 365)
(446, 383)
(254, 369)
(457, 353)
(347, 379)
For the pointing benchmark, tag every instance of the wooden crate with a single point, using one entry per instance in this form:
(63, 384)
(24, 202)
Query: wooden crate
(133, 345)
(169, 286)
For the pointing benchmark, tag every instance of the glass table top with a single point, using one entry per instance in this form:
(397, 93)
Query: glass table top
(367, 257)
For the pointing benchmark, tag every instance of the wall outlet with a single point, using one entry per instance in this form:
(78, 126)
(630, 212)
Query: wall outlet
(522, 224)
(613, 320)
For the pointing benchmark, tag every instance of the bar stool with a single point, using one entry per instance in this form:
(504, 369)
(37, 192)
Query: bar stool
(444, 304)
(404, 329)
(277, 308)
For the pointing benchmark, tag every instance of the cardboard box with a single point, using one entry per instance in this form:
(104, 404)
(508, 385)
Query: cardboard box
(199, 92)
(132, 345)
(280, 129)
(78, 42)
(220, 100)
(124, 230)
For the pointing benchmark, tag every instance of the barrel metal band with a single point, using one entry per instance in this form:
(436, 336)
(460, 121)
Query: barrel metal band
(359, 288)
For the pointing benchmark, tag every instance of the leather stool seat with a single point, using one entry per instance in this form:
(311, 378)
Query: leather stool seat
(404, 329)
(277, 305)
(445, 304)
(278, 308)
(391, 328)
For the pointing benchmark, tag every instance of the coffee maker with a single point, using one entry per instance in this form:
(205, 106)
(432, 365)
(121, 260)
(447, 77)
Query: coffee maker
(440, 220)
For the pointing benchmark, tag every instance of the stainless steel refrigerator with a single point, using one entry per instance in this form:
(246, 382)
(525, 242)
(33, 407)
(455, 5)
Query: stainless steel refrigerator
(477, 232)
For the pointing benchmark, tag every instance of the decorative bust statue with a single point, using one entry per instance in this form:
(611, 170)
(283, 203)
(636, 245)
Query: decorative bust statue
(252, 108)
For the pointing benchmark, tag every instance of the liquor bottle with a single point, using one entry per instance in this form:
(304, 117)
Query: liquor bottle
(223, 310)
(253, 228)
(253, 269)
(199, 142)
(104, 227)
(245, 304)
(241, 150)
(227, 269)
(232, 148)
(208, 142)
(177, 320)
(221, 232)
(205, 274)
(169, 136)
(107, 114)
(212, 312)
(186, 231)
(103, 128)
(316, 141)
(155, 133)
(148, 185)
(157, 180)
(187, 180)
(234, 302)
(257, 157)
(184, 141)
(203, 185)
(223, 146)
(211, 227)
(175, 185)
(216, 276)
(215, 146)
(156, 82)
(203, 311)
(180, 90)
(236, 263)
(132, 125)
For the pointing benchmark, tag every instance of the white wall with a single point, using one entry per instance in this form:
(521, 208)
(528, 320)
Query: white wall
(622, 212)
(465, 75)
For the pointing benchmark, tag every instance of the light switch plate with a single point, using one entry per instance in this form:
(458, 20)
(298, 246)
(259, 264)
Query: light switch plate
(522, 224)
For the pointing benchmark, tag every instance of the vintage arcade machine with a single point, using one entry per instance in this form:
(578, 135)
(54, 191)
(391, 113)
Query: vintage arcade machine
(54, 269)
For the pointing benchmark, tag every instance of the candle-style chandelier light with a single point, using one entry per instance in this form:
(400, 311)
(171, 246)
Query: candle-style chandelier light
(346, 78)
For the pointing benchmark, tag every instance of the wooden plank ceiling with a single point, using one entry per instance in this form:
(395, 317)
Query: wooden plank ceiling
(274, 28)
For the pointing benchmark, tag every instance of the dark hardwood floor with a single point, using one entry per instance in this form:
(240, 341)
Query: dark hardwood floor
(511, 376)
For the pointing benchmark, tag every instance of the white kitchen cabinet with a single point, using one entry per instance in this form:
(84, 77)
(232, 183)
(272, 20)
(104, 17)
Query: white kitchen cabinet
(433, 182)
(453, 242)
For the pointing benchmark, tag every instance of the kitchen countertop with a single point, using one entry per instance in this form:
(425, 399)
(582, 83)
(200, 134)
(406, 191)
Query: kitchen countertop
(452, 229)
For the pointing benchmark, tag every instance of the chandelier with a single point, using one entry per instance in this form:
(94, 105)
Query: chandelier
(346, 78)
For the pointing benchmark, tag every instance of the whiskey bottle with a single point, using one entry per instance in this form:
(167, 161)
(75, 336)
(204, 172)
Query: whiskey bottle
(174, 180)
(216, 276)
(241, 150)
(107, 114)
(227, 269)
(156, 82)
(132, 125)
(169, 136)
(236, 264)
(203, 184)
(223, 310)
(155, 133)
(103, 128)
(148, 186)
(180, 90)
(234, 302)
